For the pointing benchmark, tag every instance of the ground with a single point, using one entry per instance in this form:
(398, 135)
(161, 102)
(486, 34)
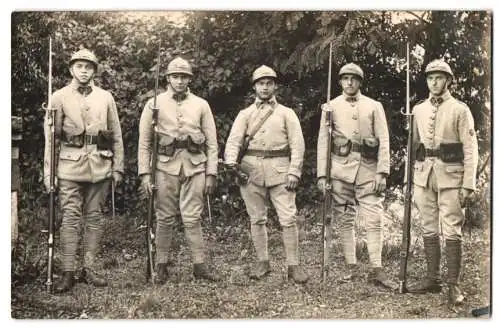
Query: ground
(130, 296)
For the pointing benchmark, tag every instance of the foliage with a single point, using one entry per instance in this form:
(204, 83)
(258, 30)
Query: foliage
(225, 47)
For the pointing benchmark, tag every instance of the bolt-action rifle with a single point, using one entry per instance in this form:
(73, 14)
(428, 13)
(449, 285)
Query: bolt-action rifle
(150, 237)
(405, 243)
(327, 204)
(50, 117)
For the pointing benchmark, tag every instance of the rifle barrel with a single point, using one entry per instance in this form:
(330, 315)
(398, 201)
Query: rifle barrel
(52, 200)
(327, 216)
(406, 239)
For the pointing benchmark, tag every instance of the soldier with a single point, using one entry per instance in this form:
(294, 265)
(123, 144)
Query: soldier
(273, 162)
(89, 152)
(360, 165)
(186, 167)
(444, 176)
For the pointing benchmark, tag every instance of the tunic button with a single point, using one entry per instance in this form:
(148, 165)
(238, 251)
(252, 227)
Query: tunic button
(434, 110)
(355, 132)
(355, 117)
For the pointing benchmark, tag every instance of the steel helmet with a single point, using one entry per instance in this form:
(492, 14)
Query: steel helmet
(438, 65)
(179, 65)
(84, 55)
(263, 72)
(351, 68)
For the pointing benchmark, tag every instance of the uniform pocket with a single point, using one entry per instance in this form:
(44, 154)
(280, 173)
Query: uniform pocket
(455, 169)
(340, 159)
(197, 159)
(164, 158)
(69, 156)
(106, 154)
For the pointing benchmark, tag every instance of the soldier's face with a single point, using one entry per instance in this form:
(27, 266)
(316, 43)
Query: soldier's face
(82, 71)
(350, 84)
(179, 82)
(265, 88)
(437, 83)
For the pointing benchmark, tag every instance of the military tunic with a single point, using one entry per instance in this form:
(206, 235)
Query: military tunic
(356, 118)
(438, 121)
(83, 172)
(269, 175)
(180, 177)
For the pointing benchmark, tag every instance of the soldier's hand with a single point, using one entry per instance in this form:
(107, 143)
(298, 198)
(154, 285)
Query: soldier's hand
(146, 183)
(380, 183)
(463, 195)
(210, 184)
(46, 182)
(322, 184)
(292, 182)
(117, 177)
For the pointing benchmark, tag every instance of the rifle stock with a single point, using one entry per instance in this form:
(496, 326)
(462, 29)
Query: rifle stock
(150, 269)
(405, 243)
(52, 173)
(327, 204)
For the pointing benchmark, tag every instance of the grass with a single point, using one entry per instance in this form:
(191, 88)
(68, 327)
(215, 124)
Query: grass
(229, 252)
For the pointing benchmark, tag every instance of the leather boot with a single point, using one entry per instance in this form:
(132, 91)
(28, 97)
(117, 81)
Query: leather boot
(378, 277)
(431, 283)
(352, 273)
(161, 273)
(260, 270)
(297, 274)
(91, 277)
(200, 271)
(454, 262)
(67, 282)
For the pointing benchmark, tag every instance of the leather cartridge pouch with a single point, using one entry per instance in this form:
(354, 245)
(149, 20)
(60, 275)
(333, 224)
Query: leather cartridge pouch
(369, 148)
(166, 144)
(195, 143)
(451, 152)
(420, 153)
(341, 146)
(73, 140)
(105, 140)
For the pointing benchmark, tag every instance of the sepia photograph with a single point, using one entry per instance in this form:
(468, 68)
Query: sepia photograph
(251, 164)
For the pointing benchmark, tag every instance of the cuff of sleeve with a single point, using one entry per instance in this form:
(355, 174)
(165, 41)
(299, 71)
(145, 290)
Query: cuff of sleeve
(295, 173)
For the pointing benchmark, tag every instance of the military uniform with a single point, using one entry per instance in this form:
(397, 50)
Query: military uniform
(275, 151)
(446, 161)
(360, 150)
(89, 149)
(187, 153)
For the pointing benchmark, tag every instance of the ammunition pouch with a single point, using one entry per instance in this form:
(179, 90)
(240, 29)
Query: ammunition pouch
(105, 140)
(420, 153)
(195, 145)
(73, 140)
(166, 145)
(341, 146)
(369, 149)
(451, 152)
(447, 152)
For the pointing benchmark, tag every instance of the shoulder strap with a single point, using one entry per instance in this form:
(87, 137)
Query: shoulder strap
(256, 128)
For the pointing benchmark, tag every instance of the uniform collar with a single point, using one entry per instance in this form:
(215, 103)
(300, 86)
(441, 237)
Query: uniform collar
(74, 84)
(354, 98)
(176, 96)
(438, 100)
(271, 101)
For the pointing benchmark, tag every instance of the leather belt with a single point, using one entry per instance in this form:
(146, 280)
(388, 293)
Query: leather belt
(356, 147)
(431, 153)
(181, 144)
(90, 139)
(269, 153)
